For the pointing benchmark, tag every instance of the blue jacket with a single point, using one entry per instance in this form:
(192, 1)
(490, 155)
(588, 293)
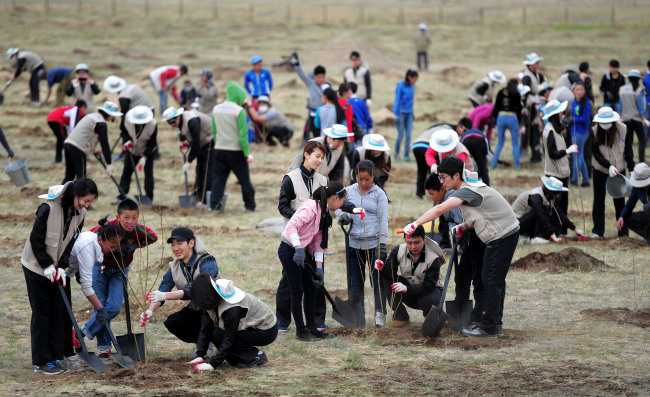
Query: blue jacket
(56, 75)
(636, 195)
(360, 110)
(262, 84)
(207, 265)
(403, 98)
(646, 84)
(581, 117)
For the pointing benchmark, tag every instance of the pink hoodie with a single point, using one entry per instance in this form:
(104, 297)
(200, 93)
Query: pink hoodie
(482, 116)
(303, 227)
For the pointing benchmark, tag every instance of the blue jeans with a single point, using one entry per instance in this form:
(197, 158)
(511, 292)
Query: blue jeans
(404, 126)
(163, 97)
(359, 260)
(579, 160)
(616, 106)
(510, 122)
(108, 288)
(647, 129)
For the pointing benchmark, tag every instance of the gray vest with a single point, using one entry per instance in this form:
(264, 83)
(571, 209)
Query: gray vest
(225, 116)
(300, 189)
(32, 61)
(177, 273)
(205, 134)
(326, 167)
(521, 207)
(558, 168)
(258, 316)
(615, 154)
(491, 220)
(359, 79)
(431, 252)
(137, 97)
(534, 81)
(86, 95)
(280, 121)
(478, 98)
(83, 137)
(629, 109)
(140, 142)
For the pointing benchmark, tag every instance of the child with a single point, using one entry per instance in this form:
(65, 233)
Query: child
(329, 113)
(581, 114)
(258, 81)
(403, 111)
(315, 82)
(188, 95)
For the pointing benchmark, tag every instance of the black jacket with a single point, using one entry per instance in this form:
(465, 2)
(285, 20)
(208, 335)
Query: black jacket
(389, 273)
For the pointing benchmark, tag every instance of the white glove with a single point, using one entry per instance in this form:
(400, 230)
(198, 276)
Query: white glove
(580, 233)
(556, 239)
(203, 367)
(8, 84)
(379, 265)
(141, 163)
(612, 171)
(369, 102)
(61, 276)
(109, 169)
(410, 228)
(434, 168)
(398, 287)
(458, 231)
(359, 211)
(146, 316)
(186, 167)
(572, 149)
(50, 272)
(197, 360)
(249, 159)
(646, 122)
(156, 296)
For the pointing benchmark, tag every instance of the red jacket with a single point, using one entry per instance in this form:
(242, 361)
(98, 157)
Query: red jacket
(140, 237)
(169, 74)
(348, 115)
(430, 156)
(62, 115)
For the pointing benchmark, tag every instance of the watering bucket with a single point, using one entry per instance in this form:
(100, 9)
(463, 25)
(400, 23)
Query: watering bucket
(618, 186)
(18, 173)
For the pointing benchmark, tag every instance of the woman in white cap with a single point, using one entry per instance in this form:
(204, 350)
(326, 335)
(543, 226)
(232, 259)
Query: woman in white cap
(422, 42)
(235, 321)
(633, 110)
(27, 60)
(507, 113)
(82, 141)
(446, 142)
(638, 222)
(83, 87)
(612, 153)
(375, 149)
(482, 91)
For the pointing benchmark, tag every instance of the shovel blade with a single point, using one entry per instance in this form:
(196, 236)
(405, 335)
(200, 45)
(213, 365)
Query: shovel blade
(186, 201)
(459, 314)
(132, 345)
(122, 360)
(144, 200)
(343, 313)
(434, 322)
(92, 360)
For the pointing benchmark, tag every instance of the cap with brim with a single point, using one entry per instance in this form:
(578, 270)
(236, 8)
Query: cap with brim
(523, 89)
(634, 73)
(81, 66)
(640, 176)
(375, 142)
(444, 140)
(532, 59)
(139, 115)
(111, 108)
(554, 184)
(255, 59)
(114, 84)
(471, 178)
(172, 112)
(263, 98)
(542, 87)
(227, 290)
(181, 234)
(422, 26)
(606, 115)
(497, 76)
(52, 192)
(11, 52)
(554, 107)
(338, 131)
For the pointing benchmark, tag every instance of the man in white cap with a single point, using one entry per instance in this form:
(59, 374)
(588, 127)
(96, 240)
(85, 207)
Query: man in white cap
(638, 222)
(532, 76)
(83, 87)
(29, 61)
(374, 148)
(539, 213)
(272, 122)
(422, 42)
(482, 91)
(333, 165)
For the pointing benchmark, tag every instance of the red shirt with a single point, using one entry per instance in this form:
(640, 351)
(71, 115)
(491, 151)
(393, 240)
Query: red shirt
(169, 74)
(348, 115)
(62, 115)
(140, 237)
(431, 154)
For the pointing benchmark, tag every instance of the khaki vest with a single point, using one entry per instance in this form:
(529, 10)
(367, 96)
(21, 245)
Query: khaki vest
(155, 77)
(326, 167)
(425, 137)
(491, 220)
(379, 172)
(521, 207)
(177, 273)
(478, 98)
(615, 154)
(55, 244)
(629, 109)
(137, 97)
(86, 95)
(460, 148)
(140, 142)
(558, 168)
(534, 81)
(83, 137)
(300, 189)
(359, 79)
(205, 134)
(431, 252)
(258, 316)
(280, 121)
(225, 116)
(32, 61)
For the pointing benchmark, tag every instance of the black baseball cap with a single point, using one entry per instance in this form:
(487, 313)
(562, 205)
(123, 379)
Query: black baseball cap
(181, 234)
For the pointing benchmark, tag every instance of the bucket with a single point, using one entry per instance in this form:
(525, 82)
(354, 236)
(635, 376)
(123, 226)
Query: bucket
(18, 173)
(618, 186)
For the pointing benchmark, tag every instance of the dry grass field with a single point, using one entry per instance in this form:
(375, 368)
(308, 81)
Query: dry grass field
(576, 321)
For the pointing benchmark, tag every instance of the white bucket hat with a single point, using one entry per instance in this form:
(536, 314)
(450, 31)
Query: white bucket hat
(497, 76)
(263, 98)
(375, 142)
(523, 89)
(532, 59)
(139, 115)
(444, 140)
(111, 108)
(172, 112)
(114, 84)
(227, 290)
(81, 66)
(52, 192)
(641, 175)
(11, 52)
(554, 107)
(606, 115)
(554, 184)
(422, 26)
(471, 178)
(338, 131)
(634, 73)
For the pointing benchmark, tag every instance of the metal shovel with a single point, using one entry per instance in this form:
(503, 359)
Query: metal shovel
(101, 161)
(122, 360)
(187, 200)
(342, 312)
(88, 357)
(436, 318)
(459, 311)
(131, 344)
(347, 269)
(143, 200)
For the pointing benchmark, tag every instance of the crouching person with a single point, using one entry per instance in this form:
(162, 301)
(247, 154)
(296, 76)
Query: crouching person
(235, 321)
(418, 287)
(192, 259)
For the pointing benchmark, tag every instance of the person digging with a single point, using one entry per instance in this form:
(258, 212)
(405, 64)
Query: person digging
(638, 222)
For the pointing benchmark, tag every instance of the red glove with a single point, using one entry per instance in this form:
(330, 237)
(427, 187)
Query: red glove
(379, 265)
(458, 231)
(556, 239)
(98, 153)
(184, 145)
(128, 145)
(246, 104)
(359, 211)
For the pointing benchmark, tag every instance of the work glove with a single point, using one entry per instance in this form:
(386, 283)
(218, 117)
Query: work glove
(458, 231)
(398, 288)
(7, 84)
(156, 296)
(319, 277)
(299, 257)
(61, 276)
(410, 228)
(383, 251)
(646, 122)
(185, 168)
(101, 316)
(368, 103)
(109, 169)
(344, 219)
(434, 168)
(379, 265)
(203, 367)
(581, 235)
(556, 239)
(146, 316)
(184, 145)
(359, 211)
(141, 163)
(128, 146)
(50, 273)
(196, 361)
(572, 149)
(249, 159)
(612, 171)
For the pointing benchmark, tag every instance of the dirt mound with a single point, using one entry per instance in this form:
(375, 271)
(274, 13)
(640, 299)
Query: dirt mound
(557, 262)
(620, 242)
(293, 83)
(81, 51)
(189, 55)
(522, 181)
(383, 117)
(456, 75)
(30, 192)
(35, 132)
(16, 219)
(110, 66)
(620, 315)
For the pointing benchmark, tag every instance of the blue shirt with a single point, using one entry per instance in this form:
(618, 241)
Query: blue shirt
(646, 84)
(453, 217)
(581, 117)
(403, 98)
(360, 110)
(262, 84)
(207, 266)
(57, 75)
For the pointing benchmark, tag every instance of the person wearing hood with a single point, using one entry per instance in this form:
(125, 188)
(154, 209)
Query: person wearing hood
(231, 148)
(83, 87)
(207, 93)
(192, 259)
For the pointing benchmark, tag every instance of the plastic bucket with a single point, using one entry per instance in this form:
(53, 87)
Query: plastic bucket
(18, 173)
(618, 186)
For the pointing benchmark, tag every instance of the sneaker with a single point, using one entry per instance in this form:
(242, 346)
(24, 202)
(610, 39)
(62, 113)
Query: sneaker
(594, 235)
(399, 323)
(261, 359)
(116, 201)
(48, 369)
(35, 103)
(104, 353)
(304, 335)
(76, 342)
(523, 240)
(211, 350)
(59, 365)
(317, 334)
(250, 209)
(478, 332)
(380, 319)
(500, 330)
(73, 363)
(282, 328)
(194, 355)
(539, 240)
(322, 326)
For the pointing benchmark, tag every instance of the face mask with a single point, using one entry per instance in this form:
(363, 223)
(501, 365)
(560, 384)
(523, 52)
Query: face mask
(331, 146)
(263, 108)
(605, 126)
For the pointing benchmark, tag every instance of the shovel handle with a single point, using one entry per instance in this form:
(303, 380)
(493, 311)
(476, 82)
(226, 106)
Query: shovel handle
(327, 294)
(452, 260)
(74, 321)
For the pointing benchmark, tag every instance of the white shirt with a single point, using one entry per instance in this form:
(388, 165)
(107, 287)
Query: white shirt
(85, 253)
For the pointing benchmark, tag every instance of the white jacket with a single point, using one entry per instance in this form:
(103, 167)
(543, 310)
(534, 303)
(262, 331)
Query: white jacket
(85, 253)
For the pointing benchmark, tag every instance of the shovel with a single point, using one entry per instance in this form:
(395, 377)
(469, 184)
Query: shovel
(101, 161)
(131, 344)
(187, 200)
(123, 361)
(437, 318)
(143, 200)
(88, 357)
(459, 311)
(347, 268)
(342, 312)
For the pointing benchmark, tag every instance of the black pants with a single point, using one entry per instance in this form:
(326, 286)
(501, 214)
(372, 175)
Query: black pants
(75, 163)
(443, 229)
(185, 324)
(478, 151)
(204, 172)
(282, 134)
(283, 304)
(588, 156)
(243, 348)
(564, 200)
(531, 226)
(422, 302)
(235, 161)
(48, 311)
(536, 154)
(636, 127)
(127, 172)
(61, 134)
(598, 208)
(639, 223)
(470, 268)
(496, 263)
(422, 60)
(423, 170)
(34, 81)
(310, 131)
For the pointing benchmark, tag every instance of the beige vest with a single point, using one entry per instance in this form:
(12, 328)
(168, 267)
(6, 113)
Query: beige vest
(326, 167)
(55, 244)
(86, 95)
(521, 207)
(534, 81)
(478, 98)
(155, 77)
(460, 148)
(379, 172)
(205, 134)
(32, 61)
(137, 97)
(558, 168)
(431, 253)
(614, 154)
(83, 137)
(177, 273)
(629, 109)
(425, 136)
(140, 142)
(491, 220)
(359, 79)
(225, 116)
(300, 189)
(258, 316)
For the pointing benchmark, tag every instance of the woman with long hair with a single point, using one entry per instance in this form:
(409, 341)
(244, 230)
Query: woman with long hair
(330, 112)
(507, 112)
(403, 111)
(581, 115)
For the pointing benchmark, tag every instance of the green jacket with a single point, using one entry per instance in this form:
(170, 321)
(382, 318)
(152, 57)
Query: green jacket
(229, 121)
